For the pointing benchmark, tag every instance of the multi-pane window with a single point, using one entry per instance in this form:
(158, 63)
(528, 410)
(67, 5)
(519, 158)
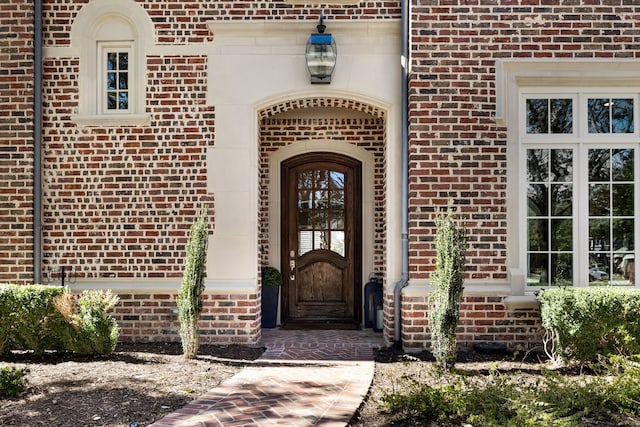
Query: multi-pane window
(117, 80)
(549, 115)
(321, 211)
(580, 192)
(611, 183)
(610, 115)
(550, 193)
(116, 76)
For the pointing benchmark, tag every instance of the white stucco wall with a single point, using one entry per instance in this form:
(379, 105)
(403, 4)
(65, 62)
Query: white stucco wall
(256, 64)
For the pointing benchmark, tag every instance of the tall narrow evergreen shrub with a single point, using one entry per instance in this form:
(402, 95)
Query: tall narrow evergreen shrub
(190, 293)
(448, 281)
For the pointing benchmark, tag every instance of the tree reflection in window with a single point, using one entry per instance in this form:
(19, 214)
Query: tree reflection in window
(549, 115)
(549, 217)
(117, 80)
(610, 115)
(321, 215)
(611, 214)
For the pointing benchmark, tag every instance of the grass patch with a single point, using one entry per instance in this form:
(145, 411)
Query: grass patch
(610, 391)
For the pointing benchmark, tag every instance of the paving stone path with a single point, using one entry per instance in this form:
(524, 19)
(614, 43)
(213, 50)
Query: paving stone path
(304, 378)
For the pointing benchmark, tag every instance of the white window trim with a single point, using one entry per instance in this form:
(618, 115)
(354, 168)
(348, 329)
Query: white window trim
(515, 76)
(561, 93)
(104, 48)
(117, 21)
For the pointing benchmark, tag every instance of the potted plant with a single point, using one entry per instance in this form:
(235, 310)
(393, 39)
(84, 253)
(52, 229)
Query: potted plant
(271, 281)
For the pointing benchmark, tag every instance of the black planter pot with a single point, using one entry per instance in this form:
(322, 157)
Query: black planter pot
(269, 306)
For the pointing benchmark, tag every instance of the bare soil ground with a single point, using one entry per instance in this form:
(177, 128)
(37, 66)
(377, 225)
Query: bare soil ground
(136, 385)
(140, 383)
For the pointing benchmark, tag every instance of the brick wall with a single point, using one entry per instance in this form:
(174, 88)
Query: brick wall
(16, 141)
(457, 151)
(483, 319)
(153, 317)
(119, 201)
(185, 21)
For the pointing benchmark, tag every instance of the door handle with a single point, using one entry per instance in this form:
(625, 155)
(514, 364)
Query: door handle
(292, 268)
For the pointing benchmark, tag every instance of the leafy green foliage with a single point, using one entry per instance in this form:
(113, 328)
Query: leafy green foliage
(43, 318)
(583, 323)
(506, 400)
(271, 276)
(24, 314)
(190, 293)
(448, 281)
(88, 328)
(12, 380)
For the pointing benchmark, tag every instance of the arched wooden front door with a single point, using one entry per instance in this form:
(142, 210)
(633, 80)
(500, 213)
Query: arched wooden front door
(321, 239)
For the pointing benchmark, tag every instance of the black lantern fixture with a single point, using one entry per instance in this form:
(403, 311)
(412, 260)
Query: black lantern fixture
(321, 55)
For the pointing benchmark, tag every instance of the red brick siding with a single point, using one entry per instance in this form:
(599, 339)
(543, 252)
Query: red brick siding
(138, 203)
(457, 152)
(119, 201)
(16, 141)
(482, 319)
(153, 317)
(185, 21)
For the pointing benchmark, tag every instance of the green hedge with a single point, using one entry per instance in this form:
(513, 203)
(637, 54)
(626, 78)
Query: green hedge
(40, 318)
(583, 323)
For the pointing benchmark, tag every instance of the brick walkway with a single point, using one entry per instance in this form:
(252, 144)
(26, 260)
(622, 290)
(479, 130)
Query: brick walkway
(304, 378)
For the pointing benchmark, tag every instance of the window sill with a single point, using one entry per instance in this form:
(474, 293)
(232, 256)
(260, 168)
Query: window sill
(520, 302)
(112, 120)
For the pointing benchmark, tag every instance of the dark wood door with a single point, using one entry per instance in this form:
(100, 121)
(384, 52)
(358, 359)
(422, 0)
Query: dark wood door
(321, 239)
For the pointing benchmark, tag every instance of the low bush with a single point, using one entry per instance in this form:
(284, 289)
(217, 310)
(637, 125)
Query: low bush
(40, 318)
(582, 323)
(24, 314)
(12, 380)
(88, 328)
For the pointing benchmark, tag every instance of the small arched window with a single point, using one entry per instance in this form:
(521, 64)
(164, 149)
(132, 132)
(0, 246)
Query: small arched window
(113, 37)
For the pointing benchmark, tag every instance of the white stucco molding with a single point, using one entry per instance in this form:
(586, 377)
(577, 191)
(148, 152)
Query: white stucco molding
(159, 286)
(253, 65)
(513, 73)
(422, 288)
(512, 76)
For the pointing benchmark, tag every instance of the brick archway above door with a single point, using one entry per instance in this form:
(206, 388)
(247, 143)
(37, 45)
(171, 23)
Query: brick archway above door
(321, 102)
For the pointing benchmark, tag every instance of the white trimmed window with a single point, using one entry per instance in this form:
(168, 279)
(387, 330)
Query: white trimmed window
(579, 148)
(112, 39)
(117, 74)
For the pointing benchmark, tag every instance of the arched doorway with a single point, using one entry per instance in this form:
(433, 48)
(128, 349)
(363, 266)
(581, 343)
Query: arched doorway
(346, 134)
(321, 239)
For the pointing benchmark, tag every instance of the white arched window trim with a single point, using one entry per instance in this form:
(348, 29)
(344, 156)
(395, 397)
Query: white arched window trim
(111, 23)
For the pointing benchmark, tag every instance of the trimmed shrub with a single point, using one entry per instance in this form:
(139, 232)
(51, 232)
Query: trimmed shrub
(25, 313)
(88, 328)
(583, 323)
(40, 318)
(448, 280)
(190, 293)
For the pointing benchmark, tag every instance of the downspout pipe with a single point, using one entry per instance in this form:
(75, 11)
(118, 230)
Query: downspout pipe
(37, 143)
(404, 280)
